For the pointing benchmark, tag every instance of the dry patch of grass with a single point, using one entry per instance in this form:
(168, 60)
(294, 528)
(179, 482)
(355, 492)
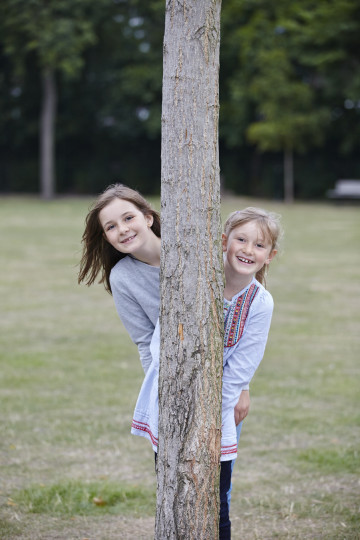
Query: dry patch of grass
(31, 527)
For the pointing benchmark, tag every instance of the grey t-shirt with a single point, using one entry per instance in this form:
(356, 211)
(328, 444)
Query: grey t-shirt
(135, 288)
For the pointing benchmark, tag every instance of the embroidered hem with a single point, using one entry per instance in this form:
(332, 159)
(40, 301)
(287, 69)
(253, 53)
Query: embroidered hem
(143, 429)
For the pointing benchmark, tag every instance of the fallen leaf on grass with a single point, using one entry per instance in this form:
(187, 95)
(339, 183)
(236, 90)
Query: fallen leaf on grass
(10, 502)
(99, 501)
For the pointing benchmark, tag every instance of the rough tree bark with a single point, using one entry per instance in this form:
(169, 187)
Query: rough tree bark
(191, 276)
(47, 135)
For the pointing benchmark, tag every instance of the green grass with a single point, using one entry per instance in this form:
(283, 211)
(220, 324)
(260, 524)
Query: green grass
(70, 377)
(71, 498)
(332, 460)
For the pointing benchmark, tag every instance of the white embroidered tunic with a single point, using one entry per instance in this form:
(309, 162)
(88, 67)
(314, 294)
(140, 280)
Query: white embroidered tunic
(247, 319)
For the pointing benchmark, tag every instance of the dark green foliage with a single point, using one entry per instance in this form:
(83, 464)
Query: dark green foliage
(289, 78)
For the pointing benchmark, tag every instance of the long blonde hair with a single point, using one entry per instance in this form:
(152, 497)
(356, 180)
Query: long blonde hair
(269, 224)
(98, 255)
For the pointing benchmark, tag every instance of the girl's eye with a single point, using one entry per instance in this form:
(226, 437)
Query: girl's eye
(128, 218)
(260, 245)
(110, 227)
(241, 239)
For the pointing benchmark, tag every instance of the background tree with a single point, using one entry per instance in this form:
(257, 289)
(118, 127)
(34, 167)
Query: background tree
(287, 80)
(191, 276)
(57, 33)
(326, 36)
(287, 120)
(284, 117)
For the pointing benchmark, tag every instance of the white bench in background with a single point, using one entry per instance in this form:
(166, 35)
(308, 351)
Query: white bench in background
(345, 190)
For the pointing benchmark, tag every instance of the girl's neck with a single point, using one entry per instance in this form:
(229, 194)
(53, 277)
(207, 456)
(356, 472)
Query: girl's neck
(151, 253)
(235, 283)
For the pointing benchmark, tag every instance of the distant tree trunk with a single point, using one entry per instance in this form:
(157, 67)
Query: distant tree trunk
(191, 276)
(288, 175)
(47, 135)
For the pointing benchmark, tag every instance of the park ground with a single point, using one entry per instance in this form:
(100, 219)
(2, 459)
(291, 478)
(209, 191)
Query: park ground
(69, 468)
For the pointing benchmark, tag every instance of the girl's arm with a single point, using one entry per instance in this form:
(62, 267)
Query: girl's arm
(139, 327)
(242, 360)
(135, 289)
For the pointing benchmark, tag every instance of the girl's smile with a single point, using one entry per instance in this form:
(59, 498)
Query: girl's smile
(246, 261)
(128, 239)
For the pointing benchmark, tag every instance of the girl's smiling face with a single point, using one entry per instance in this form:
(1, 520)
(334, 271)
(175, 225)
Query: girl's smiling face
(125, 227)
(247, 250)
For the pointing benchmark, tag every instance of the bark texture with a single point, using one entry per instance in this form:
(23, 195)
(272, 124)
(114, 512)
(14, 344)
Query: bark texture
(191, 276)
(47, 135)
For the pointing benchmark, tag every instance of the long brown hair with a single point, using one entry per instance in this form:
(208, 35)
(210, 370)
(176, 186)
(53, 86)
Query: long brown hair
(269, 224)
(98, 255)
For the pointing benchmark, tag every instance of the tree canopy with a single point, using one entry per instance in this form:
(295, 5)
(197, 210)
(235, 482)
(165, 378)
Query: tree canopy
(289, 80)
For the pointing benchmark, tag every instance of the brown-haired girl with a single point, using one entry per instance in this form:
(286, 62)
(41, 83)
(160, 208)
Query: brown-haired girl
(121, 242)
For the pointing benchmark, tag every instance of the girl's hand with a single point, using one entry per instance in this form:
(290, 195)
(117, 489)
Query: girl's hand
(242, 407)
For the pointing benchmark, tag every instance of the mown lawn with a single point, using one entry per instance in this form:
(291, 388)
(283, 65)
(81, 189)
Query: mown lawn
(70, 378)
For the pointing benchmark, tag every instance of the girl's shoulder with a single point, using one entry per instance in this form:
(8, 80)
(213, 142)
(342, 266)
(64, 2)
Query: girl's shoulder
(252, 301)
(129, 269)
(122, 268)
(251, 308)
(254, 294)
(263, 296)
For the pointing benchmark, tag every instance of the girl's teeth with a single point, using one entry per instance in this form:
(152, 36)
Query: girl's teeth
(127, 239)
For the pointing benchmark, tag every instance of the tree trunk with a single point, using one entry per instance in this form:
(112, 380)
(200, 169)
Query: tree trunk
(192, 281)
(288, 175)
(47, 135)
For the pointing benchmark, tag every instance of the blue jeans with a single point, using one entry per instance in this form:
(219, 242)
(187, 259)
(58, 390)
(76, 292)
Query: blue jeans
(238, 431)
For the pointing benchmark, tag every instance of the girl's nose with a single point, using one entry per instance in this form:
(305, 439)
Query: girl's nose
(124, 227)
(248, 248)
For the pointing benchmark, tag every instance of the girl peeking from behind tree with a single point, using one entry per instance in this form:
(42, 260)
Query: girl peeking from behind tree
(250, 242)
(121, 243)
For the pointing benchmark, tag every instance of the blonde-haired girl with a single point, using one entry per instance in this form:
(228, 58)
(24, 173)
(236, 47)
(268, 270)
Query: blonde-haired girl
(249, 242)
